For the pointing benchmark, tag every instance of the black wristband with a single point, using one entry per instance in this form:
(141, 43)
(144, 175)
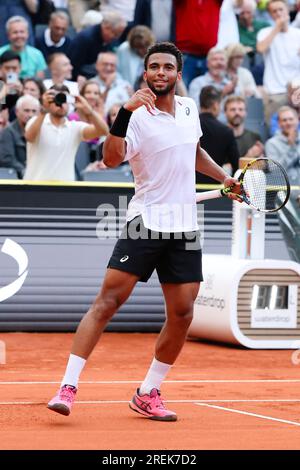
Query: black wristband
(119, 127)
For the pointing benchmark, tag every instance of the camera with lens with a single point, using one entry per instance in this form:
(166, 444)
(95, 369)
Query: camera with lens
(60, 99)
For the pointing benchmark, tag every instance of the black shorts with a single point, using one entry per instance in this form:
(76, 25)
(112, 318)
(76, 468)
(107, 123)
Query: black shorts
(177, 257)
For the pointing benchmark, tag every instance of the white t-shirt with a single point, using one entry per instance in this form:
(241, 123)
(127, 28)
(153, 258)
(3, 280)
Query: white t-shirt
(282, 59)
(161, 151)
(52, 155)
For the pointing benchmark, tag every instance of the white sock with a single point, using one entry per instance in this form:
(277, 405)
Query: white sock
(155, 375)
(73, 370)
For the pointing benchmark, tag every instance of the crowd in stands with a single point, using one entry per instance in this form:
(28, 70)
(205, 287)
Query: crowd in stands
(67, 66)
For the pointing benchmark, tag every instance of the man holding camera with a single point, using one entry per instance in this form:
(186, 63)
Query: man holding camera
(52, 140)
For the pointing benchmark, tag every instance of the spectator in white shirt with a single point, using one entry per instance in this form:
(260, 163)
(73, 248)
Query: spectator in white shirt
(280, 45)
(52, 140)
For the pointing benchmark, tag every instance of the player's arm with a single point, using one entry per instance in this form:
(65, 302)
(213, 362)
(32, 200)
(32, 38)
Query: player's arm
(32, 131)
(206, 165)
(114, 148)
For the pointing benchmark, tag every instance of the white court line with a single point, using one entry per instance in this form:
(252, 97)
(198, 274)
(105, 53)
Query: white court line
(112, 382)
(249, 414)
(196, 402)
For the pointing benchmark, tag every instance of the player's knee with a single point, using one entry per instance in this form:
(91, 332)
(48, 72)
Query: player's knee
(184, 315)
(105, 307)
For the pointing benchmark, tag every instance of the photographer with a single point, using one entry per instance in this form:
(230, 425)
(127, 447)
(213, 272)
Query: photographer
(52, 140)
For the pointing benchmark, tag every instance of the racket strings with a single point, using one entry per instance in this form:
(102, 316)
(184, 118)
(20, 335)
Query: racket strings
(265, 185)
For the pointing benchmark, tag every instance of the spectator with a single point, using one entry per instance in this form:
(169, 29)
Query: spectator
(24, 8)
(113, 88)
(34, 87)
(284, 147)
(131, 53)
(55, 39)
(197, 25)
(87, 44)
(12, 140)
(32, 60)
(293, 97)
(126, 8)
(217, 139)
(52, 140)
(91, 92)
(159, 16)
(249, 26)
(3, 118)
(248, 142)
(245, 82)
(280, 47)
(10, 68)
(61, 72)
(216, 76)
(10, 63)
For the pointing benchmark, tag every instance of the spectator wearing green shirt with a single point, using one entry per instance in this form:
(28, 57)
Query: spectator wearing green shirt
(248, 25)
(32, 60)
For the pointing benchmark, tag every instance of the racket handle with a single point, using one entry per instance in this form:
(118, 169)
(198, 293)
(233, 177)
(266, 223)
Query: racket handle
(215, 194)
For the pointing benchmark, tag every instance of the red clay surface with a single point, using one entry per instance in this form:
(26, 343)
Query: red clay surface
(207, 374)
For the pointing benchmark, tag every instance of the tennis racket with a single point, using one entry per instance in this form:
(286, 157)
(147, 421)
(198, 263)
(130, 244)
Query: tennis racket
(264, 186)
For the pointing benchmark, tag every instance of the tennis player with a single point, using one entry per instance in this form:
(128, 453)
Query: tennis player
(158, 133)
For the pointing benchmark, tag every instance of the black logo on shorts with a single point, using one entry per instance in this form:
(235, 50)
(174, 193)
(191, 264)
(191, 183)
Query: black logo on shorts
(187, 111)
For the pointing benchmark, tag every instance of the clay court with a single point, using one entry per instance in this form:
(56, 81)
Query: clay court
(225, 397)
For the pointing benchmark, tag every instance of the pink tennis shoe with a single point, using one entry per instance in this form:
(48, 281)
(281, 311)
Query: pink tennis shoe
(152, 406)
(63, 401)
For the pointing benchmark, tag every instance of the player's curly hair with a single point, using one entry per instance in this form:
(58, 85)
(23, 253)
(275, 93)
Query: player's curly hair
(166, 48)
